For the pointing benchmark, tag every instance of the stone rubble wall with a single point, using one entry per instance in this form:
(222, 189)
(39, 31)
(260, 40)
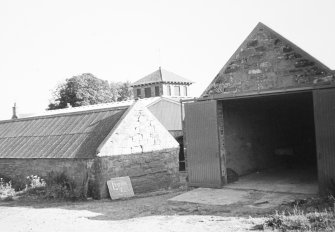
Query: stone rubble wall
(266, 61)
(147, 171)
(138, 132)
(76, 169)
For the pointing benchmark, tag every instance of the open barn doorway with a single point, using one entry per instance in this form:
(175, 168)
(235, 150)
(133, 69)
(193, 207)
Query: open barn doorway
(270, 143)
(182, 165)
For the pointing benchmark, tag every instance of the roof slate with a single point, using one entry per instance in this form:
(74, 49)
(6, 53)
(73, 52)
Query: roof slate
(71, 135)
(161, 75)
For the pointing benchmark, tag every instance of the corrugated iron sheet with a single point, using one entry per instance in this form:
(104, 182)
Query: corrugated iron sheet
(202, 144)
(168, 113)
(324, 116)
(72, 135)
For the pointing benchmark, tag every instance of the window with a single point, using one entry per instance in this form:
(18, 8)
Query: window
(185, 90)
(138, 92)
(147, 92)
(156, 90)
(169, 90)
(177, 90)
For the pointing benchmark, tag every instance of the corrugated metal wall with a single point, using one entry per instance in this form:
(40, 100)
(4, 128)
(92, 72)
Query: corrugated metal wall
(324, 116)
(203, 157)
(171, 120)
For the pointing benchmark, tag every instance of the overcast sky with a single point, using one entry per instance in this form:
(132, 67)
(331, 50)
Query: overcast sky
(44, 42)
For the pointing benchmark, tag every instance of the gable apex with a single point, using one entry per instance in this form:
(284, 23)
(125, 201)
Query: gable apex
(267, 61)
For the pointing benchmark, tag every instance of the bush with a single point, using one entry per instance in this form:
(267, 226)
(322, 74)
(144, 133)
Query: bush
(17, 183)
(35, 182)
(60, 186)
(55, 186)
(6, 189)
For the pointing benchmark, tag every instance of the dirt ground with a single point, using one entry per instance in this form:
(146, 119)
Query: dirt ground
(237, 207)
(142, 213)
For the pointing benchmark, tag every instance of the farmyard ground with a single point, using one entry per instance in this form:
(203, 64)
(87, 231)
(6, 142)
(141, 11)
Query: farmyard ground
(154, 213)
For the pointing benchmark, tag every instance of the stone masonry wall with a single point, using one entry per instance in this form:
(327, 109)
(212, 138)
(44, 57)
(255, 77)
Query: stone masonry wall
(138, 132)
(147, 171)
(220, 121)
(77, 169)
(266, 61)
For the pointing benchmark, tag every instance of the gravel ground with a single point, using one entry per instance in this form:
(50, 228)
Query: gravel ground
(151, 212)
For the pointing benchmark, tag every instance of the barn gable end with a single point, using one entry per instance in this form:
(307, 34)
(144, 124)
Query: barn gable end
(266, 61)
(137, 132)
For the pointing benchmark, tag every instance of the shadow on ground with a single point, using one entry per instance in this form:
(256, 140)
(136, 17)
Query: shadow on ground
(155, 204)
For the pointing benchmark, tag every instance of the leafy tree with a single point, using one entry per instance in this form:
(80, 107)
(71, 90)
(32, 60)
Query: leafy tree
(86, 89)
(121, 91)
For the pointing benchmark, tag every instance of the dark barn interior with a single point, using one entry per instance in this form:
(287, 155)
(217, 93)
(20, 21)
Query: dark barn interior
(271, 140)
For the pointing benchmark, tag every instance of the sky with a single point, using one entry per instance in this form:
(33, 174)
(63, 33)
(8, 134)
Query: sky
(43, 42)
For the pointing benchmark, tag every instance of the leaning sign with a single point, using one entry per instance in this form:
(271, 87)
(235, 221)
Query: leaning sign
(120, 187)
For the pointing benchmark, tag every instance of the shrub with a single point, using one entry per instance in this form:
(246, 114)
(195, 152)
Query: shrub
(17, 183)
(61, 186)
(6, 189)
(35, 182)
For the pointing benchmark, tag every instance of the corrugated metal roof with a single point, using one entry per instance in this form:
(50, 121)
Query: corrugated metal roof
(79, 109)
(64, 135)
(161, 75)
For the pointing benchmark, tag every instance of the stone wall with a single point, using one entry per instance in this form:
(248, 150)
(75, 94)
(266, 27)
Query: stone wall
(266, 61)
(248, 137)
(77, 169)
(220, 121)
(147, 171)
(176, 133)
(138, 132)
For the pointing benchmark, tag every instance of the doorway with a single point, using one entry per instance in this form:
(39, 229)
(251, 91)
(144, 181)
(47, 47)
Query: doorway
(269, 140)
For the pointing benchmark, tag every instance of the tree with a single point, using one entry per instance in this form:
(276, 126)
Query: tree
(86, 89)
(121, 91)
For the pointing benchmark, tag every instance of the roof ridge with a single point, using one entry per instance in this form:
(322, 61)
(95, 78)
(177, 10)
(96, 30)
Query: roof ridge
(50, 135)
(63, 114)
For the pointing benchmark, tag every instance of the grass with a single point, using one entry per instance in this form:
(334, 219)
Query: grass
(301, 218)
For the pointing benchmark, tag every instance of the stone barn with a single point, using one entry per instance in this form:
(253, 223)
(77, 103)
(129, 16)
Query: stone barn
(266, 120)
(92, 144)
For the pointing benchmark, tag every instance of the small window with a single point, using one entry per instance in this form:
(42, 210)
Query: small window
(169, 90)
(138, 92)
(147, 92)
(185, 90)
(156, 90)
(177, 90)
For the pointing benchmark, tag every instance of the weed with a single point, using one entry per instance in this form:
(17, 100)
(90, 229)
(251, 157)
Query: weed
(298, 220)
(61, 186)
(6, 190)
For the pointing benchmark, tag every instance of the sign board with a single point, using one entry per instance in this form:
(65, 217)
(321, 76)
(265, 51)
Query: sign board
(120, 187)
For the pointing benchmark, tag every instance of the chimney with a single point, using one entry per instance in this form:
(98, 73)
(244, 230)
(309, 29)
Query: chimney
(14, 112)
